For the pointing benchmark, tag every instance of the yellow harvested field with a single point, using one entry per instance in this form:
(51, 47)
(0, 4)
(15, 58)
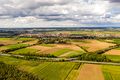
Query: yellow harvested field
(94, 45)
(50, 51)
(70, 46)
(113, 52)
(3, 48)
(90, 72)
(8, 42)
(40, 48)
(31, 42)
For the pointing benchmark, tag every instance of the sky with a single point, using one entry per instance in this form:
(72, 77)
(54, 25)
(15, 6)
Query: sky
(59, 13)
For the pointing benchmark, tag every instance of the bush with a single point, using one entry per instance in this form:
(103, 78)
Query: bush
(93, 57)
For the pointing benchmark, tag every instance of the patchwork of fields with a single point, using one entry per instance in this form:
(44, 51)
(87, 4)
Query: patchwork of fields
(61, 70)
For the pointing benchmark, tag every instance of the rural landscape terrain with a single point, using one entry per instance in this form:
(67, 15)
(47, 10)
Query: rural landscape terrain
(60, 54)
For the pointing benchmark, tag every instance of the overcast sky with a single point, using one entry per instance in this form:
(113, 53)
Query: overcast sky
(59, 13)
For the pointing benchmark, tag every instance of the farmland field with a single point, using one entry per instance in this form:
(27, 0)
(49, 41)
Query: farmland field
(24, 51)
(13, 46)
(7, 41)
(113, 52)
(114, 57)
(63, 58)
(61, 51)
(44, 70)
(94, 45)
(111, 72)
(92, 71)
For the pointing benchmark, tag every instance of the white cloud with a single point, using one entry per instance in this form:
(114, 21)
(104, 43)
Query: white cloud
(35, 13)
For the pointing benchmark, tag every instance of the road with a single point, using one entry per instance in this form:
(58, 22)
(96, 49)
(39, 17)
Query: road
(67, 60)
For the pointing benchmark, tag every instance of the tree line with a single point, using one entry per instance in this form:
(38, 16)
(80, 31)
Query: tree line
(93, 57)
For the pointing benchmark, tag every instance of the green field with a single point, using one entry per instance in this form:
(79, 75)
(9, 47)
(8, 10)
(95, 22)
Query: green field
(116, 41)
(61, 51)
(114, 57)
(44, 70)
(74, 53)
(111, 72)
(1, 39)
(25, 51)
(25, 39)
(47, 45)
(14, 46)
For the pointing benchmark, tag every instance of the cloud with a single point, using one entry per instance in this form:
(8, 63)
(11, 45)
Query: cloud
(35, 13)
(115, 0)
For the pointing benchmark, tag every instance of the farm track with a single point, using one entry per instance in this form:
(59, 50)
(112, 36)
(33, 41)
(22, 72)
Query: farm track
(66, 60)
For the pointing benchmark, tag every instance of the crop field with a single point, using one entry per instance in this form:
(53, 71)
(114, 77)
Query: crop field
(47, 45)
(113, 52)
(43, 49)
(62, 69)
(55, 49)
(116, 41)
(111, 72)
(25, 39)
(61, 51)
(7, 41)
(93, 72)
(44, 70)
(24, 51)
(14, 46)
(94, 45)
(70, 46)
(114, 57)
(31, 42)
(72, 53)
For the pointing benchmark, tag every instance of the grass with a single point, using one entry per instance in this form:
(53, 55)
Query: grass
(61, 51)
(44, 70)
(114, 57)
(111, 72)
(25, 51)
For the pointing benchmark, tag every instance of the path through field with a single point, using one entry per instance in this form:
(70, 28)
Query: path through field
(90, 72)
